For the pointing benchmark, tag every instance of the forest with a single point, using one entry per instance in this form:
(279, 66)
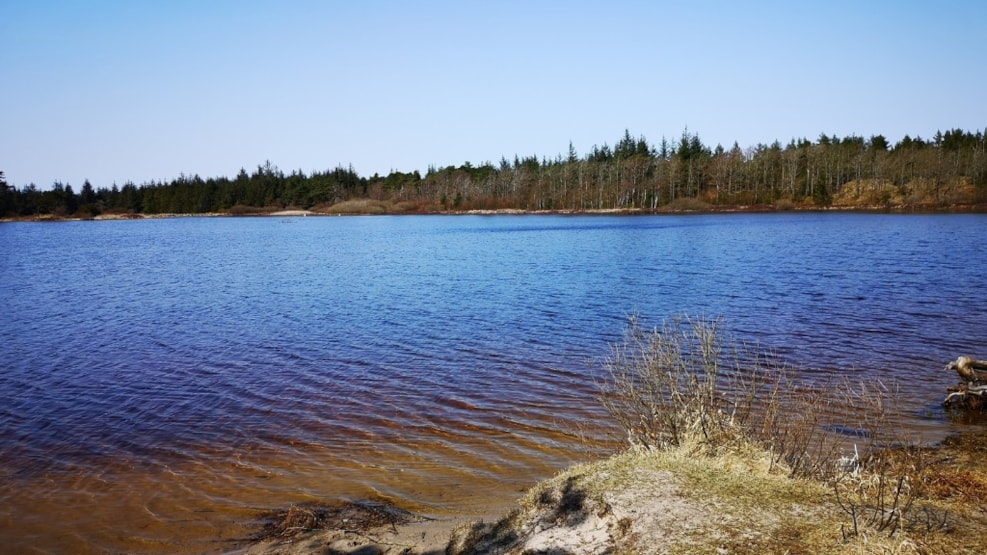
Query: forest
(948, 170)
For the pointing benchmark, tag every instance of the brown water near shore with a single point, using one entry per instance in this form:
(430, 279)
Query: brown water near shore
(212, 502)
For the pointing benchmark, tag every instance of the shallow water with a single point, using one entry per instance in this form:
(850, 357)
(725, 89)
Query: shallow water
(165, 381)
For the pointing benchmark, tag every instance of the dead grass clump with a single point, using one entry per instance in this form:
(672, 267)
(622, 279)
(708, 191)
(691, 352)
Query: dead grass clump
(361, 206)
(954, 472)
(931, 498)
(784, 205)
(963, 485)
(686, 204)
(358, 516)
(682, 381)
(410, 207)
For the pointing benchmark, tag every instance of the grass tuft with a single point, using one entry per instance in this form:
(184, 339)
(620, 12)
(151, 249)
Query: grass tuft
(684, 382)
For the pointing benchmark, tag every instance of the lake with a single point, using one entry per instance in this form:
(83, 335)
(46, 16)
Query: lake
(166, 381)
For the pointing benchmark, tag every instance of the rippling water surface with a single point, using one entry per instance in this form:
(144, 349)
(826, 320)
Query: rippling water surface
(162, 382)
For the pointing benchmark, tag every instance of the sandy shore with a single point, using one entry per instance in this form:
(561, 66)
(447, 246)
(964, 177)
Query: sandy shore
(427, 537)
(292, 213)
(680, 501)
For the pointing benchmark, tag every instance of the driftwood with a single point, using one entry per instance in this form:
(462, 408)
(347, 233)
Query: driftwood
(972, 391)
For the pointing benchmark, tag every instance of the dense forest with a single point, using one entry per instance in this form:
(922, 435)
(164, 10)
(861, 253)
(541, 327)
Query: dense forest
(949, 169)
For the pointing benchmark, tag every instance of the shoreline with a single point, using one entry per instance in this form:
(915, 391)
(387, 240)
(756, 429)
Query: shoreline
(723, 209)
(422, 537)
(644, 501)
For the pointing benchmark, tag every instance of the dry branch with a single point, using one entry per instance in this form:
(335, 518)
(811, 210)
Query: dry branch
(974, 375)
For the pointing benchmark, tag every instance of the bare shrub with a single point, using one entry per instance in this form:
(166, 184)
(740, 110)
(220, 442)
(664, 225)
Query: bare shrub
(662, 383)
(360, 516)
(890, 493)
(682, 381)
(879, 501)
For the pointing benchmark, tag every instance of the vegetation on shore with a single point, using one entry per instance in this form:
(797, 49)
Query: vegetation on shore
(947, 170)
(685, 500)
(729, 452)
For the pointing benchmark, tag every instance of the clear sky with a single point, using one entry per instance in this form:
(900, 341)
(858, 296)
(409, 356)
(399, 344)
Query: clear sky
(141, 90)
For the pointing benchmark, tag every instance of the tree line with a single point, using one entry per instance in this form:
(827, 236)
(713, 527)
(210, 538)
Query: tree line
(950, 168)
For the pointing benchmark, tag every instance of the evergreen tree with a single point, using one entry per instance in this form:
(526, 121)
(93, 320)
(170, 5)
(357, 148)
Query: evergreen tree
(6, 196)
(878, 143)
(87, 195)
(572, 157)
(70, 202)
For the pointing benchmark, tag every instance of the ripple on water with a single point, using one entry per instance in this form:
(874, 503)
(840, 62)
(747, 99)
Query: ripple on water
(166, 381)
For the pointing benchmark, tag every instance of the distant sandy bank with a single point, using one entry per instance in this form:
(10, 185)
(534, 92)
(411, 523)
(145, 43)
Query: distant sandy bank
(288, 213)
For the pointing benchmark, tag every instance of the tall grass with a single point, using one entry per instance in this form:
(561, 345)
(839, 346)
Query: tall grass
(686, 380)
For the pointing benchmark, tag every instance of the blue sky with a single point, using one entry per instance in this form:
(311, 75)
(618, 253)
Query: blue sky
(133, 90)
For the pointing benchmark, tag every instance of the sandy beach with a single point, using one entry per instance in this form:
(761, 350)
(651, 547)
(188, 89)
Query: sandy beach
(424, 537)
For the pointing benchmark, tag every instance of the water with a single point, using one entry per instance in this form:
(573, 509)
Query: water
(165, 381)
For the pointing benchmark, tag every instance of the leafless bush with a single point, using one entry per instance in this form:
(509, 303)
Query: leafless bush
(886, 495)
(684, 381)
(880, 502)
(663, 383)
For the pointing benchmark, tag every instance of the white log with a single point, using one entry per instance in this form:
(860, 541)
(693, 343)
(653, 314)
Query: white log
(970, 369)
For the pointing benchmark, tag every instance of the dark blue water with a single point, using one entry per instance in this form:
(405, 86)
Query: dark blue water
(157, 371)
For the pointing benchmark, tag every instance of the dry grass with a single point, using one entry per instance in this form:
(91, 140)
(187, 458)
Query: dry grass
(784, 205)
(360, 206)
(685, 204)
(676, 500)
(243, 210)
(683, 380)
(372, 207)
(360, 516)
(919, 191)
(683, 391)
(672, 501)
